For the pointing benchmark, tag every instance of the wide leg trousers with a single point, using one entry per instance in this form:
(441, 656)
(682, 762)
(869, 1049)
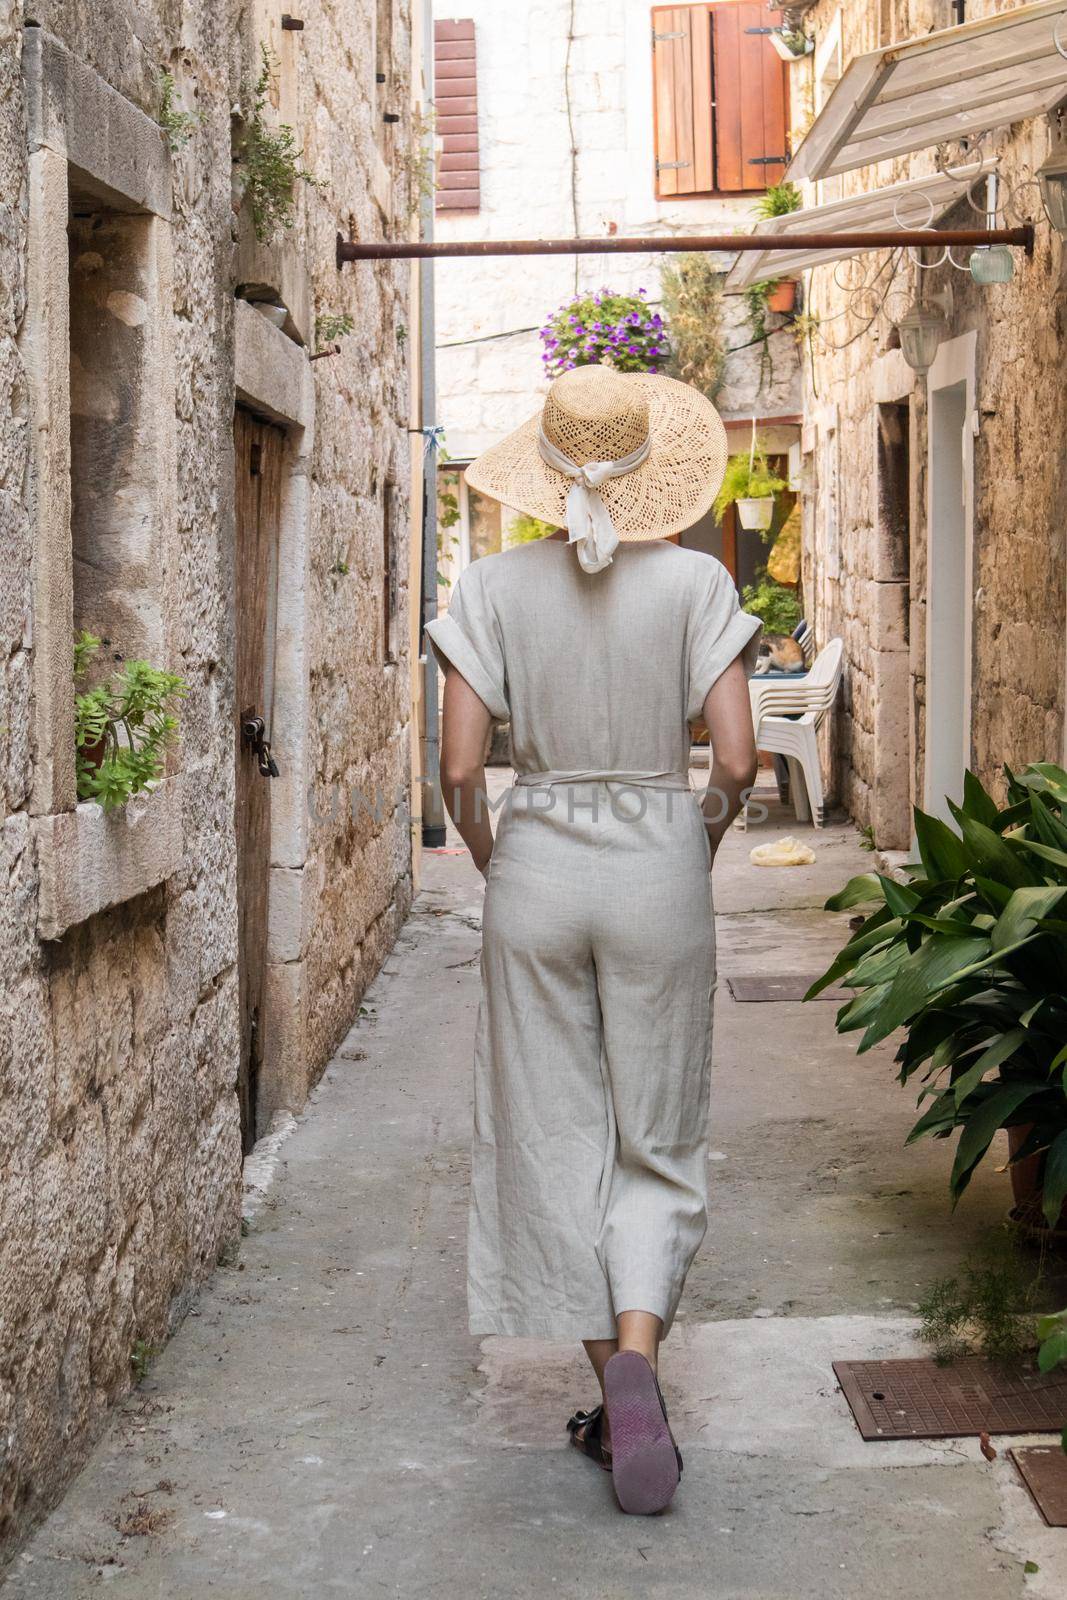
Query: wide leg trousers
(592, 1061)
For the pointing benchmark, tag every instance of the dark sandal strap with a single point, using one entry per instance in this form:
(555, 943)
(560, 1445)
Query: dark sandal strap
(663, 1408)
(591, 1443)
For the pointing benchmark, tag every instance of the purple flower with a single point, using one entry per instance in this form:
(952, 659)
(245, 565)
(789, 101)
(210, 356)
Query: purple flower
(634, 349)
(642, 291)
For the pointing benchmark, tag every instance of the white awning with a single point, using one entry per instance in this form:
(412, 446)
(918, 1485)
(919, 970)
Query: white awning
(964, 80)
(916, 203)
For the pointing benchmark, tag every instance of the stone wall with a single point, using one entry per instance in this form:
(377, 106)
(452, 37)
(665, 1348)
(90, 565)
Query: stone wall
(488, 312)
(120, 1155)
(869, 582)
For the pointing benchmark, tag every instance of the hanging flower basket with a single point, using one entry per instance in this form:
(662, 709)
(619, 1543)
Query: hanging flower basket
(756, 515)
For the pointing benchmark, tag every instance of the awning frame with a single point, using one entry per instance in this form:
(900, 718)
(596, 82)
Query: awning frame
(867, 83)
(793, 234)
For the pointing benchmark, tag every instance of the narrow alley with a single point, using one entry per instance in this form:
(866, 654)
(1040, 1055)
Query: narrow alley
(322, 1423)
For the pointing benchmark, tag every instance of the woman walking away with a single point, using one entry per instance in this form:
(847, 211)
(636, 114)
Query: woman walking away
(592, 1055)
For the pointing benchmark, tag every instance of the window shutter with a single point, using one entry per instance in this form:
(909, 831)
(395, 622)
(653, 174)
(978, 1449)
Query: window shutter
(750, 98)
(456, 102)
(681, 78)
(719, 98)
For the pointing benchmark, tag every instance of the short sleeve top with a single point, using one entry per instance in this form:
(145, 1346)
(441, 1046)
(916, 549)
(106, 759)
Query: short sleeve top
(597, 670)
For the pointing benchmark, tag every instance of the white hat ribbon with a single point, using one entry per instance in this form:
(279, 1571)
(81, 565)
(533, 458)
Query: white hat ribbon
(588, 518)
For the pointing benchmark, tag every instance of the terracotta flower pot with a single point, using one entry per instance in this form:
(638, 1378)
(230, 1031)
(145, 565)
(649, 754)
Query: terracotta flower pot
(1027, 1178)
(783, 297)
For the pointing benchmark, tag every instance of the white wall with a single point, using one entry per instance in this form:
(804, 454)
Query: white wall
(487, 387)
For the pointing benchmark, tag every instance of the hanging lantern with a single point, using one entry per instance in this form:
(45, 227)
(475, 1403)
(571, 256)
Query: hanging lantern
(1052, 181)
(991, 263)
(921, 332)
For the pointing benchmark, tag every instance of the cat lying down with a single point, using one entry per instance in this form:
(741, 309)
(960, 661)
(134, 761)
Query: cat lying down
(780, 655)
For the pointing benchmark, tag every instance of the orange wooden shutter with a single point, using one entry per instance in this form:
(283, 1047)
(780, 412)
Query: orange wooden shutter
(719, 89)
(681, 77)
(456, 103)
(750, 98)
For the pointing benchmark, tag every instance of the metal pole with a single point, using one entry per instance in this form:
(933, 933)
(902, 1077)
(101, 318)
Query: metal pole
(433, 811)
(724, 243)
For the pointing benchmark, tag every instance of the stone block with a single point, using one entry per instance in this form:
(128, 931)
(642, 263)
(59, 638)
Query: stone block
(120, 153)
(90, 860)
(270, 370)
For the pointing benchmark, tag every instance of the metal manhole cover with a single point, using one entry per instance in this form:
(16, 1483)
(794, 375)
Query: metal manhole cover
(756, 986)
(920, 1400)
(1043, 1469)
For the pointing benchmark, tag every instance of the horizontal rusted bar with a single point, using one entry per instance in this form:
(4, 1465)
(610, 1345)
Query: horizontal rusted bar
(728, 243)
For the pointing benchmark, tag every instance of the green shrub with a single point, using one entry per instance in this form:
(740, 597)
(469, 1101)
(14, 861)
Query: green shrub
(527, 530)
(692, 299)
(269, 159)
(777, 607)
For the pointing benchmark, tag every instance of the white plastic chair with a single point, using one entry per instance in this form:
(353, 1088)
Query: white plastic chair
(785, 719)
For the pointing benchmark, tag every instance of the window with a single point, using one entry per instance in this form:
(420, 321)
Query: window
(114, 431)
(456, 102)
(720, 99)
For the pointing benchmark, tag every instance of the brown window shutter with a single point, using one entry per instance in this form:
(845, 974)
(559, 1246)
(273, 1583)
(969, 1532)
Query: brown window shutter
(750, 98)
(720, 98)
(681, 78)
(456, 102)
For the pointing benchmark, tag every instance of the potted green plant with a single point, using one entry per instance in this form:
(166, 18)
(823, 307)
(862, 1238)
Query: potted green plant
(751, 486)
(779, 294)
(123, 727)
(968, 958)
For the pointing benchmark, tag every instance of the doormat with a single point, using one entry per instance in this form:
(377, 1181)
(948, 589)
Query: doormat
(1043, 1469)
(756, 986)
(917, 1399)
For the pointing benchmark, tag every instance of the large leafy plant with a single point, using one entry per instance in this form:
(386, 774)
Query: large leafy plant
(122, 727)
(969, 958)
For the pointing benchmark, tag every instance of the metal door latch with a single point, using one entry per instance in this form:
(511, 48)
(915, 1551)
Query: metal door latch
(254, 738)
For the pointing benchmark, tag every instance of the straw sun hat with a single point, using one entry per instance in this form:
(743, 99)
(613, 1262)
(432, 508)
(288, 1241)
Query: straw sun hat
(611, 456)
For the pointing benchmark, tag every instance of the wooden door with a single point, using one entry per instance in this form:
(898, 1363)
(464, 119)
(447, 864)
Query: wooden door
(258, 469)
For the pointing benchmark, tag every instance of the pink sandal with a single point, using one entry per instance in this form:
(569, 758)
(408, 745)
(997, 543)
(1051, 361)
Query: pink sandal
(645, 1461)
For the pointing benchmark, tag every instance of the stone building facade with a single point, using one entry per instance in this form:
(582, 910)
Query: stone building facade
(178, 477)
(933, 505)
(552, 78)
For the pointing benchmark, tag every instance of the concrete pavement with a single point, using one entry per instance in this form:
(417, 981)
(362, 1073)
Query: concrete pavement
(322, 1424)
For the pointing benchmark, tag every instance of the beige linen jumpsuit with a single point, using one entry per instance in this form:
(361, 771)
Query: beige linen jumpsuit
(593, 1045)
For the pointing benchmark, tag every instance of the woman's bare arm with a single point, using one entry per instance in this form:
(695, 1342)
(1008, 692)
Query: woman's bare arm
(728, 716)
(465, 730)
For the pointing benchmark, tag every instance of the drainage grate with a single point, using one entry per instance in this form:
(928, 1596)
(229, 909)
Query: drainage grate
(920, 1400)
(755, 986)
(1043, 1468)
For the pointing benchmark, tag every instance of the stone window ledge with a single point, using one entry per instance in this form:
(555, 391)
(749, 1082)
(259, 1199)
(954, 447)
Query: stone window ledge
(90, 860)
